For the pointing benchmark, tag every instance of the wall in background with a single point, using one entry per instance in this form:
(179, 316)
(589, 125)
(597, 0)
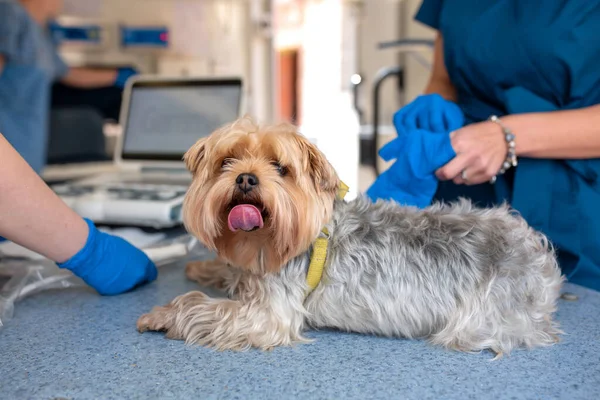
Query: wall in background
(206, 36)
(380, 21)
(324, 35)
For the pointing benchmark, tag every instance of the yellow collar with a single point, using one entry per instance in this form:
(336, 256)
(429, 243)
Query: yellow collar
(319, 254)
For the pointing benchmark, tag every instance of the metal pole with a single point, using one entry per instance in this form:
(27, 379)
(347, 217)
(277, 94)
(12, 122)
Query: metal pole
(381, 76)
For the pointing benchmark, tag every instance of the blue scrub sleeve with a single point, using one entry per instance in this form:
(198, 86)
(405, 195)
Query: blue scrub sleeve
(429, 13)
(60, 67)
(9, 30)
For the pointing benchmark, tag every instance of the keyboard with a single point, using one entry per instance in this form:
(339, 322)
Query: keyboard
(137, 204)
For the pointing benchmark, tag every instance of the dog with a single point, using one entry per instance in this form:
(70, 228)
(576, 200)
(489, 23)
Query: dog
(265, 200)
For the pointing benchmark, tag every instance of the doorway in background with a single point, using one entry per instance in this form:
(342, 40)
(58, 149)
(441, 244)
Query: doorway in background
(289, 85)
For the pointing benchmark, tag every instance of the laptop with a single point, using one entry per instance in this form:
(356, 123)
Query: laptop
(161, 118)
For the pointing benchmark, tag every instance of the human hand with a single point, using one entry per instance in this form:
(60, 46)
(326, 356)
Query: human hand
(481, 150)
(109, 264)
(123, 74)
(429, 112)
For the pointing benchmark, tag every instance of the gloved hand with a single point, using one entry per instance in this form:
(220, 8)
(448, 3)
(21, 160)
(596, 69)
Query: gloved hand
(411, 180)
(109, 264)
(430, 112)
(123, 74)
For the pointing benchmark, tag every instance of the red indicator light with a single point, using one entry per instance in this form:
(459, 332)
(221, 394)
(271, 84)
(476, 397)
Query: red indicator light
(163, 37)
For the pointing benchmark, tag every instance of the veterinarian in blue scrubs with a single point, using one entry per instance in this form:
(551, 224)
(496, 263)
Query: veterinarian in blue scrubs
(535, 65)
(28, 66)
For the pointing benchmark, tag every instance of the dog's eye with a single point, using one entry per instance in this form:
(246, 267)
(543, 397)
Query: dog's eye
(280, 168)
(226, 162)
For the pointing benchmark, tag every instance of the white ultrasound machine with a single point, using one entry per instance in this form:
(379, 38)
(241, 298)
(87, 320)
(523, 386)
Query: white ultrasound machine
(161, 119)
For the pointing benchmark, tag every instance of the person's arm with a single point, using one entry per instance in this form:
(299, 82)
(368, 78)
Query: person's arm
(569, 134)
(436, 109)
(32, 215)
(90, 78)
(481, 147)
(2, 62)
(439, 81)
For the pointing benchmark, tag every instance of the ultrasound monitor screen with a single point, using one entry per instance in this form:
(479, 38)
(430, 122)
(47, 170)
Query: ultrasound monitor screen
(165, 119)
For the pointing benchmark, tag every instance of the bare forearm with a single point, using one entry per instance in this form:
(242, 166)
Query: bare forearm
(444, 89)
(439, 81)
(90, 78)
(32, 215)
(571, 134)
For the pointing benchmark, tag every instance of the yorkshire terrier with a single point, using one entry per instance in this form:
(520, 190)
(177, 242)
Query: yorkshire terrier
(262, 198)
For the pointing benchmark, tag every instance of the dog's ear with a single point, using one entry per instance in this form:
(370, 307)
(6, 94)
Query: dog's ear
(321, 171)
(195, 155)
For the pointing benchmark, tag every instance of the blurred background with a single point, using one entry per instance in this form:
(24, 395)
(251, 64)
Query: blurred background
(337, 68)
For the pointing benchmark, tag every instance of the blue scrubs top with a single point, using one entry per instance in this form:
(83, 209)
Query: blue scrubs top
(31, 65)
(515, 56)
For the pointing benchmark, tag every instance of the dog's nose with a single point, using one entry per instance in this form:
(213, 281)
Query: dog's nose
(246, 182)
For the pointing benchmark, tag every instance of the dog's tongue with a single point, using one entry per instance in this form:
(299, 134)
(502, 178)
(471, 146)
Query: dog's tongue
(245, 217)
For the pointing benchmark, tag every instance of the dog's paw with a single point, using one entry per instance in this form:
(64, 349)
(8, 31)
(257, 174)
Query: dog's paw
(160, 319)
(207, 273)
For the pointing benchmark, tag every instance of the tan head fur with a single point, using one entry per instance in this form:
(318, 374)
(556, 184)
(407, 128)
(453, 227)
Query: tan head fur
(295, 189)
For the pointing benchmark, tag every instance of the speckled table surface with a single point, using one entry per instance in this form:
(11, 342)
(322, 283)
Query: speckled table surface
(75, 344)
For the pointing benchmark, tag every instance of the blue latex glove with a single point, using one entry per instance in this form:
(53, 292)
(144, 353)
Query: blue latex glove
(109, 264)
(411, 180)
(123, 74)
(430, 112)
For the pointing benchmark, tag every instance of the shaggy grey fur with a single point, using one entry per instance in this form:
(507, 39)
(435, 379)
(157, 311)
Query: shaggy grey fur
(463, 277)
